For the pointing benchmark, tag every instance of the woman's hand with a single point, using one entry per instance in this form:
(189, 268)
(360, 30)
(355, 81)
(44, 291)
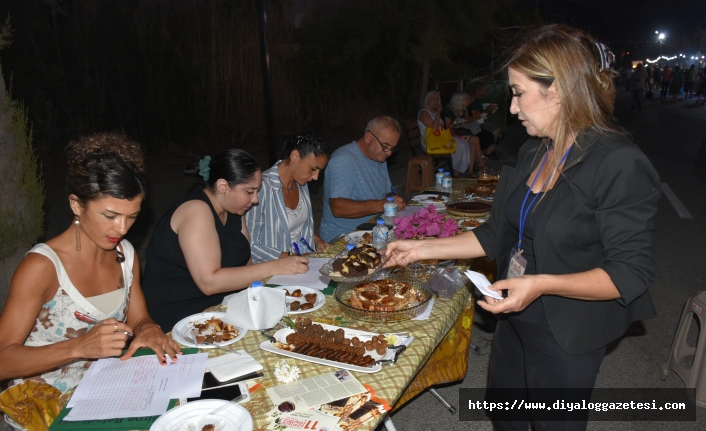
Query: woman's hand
(320, 244)
(521, 291)
(292, 265)
(103, 341)
(402, 252)
(152, 336)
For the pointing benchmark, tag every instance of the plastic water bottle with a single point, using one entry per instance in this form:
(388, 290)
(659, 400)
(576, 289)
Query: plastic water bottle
(439, 177)
(380, 235)
(390, 211)
(446, 182)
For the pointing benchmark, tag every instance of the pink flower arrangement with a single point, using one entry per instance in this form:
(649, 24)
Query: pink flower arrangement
(425, 223)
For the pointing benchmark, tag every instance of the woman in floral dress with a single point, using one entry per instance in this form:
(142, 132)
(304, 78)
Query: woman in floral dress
(90, 269)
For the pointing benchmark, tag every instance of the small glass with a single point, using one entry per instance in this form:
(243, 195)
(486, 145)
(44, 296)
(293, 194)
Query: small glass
(485, 179)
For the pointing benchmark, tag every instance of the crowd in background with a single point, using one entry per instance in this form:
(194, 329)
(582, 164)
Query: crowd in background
(670, 81)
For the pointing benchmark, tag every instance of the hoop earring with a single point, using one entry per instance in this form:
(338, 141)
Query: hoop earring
(78, 233)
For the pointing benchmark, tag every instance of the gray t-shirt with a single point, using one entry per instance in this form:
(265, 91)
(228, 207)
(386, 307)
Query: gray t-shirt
(351, 175)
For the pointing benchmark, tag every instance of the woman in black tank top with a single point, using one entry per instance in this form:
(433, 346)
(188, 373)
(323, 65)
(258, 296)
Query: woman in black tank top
(200, 250)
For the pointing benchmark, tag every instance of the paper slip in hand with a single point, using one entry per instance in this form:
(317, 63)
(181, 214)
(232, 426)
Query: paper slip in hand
(230, 366)
(482, 283)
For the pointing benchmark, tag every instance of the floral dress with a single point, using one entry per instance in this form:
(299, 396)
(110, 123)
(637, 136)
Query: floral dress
(56, 321)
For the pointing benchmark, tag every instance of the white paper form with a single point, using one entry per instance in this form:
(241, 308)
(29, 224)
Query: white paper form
(311, 278)
(189, 375)
(112, 388)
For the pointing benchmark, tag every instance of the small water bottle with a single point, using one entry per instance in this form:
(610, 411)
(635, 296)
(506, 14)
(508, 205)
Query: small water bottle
(390, 211)
(439, 177)
(380, 235)
(446, 182)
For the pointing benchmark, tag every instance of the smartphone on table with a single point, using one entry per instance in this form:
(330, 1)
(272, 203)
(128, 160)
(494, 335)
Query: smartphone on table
(212, 389)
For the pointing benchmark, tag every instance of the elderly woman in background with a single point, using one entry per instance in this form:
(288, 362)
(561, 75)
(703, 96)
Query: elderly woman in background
(456, 117)
(89, 269)
(282, 222)
(476, 91)
(572, 226)
(200, 250)
(467, 151)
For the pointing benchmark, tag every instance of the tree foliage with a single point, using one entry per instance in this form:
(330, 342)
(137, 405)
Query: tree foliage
(188, 71)
(21, 187)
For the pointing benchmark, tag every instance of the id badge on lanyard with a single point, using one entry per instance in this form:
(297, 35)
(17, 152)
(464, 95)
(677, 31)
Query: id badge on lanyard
(518, 264)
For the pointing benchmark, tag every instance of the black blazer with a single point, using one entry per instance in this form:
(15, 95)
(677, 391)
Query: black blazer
(600, 214)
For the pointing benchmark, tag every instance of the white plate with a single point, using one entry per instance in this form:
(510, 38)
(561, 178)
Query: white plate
(320, 298)
(426, 200)
(281, 336)
(466, 229)
(186, 324)
(236, 418)
(355, 237)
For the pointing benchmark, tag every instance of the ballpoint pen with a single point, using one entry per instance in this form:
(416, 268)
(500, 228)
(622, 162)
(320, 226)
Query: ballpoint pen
(393, 190)
(296, 248)
(306, 243)
(89, 319)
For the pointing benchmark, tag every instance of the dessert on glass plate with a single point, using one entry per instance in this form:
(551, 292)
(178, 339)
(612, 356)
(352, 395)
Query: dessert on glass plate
(355, 264)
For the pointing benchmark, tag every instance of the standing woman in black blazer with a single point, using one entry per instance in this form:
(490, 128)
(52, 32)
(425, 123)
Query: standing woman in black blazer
(571, 228)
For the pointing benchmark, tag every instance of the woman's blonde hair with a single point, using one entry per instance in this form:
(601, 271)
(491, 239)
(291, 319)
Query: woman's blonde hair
(428, 96)
(456, 103)
(573, 61)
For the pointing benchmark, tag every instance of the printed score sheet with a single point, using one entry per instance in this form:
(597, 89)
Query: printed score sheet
(137, 387)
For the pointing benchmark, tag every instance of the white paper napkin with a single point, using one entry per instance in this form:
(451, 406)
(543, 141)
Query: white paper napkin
(256, 308)
(426, 313)
(482, 284)
(230, 366)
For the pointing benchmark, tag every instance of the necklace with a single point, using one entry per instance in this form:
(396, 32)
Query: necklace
(289, 189)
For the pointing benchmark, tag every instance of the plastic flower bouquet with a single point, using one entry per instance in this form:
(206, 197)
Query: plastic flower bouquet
(425, 223)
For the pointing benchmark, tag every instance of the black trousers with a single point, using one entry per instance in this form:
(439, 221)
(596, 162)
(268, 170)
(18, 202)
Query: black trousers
(526, 355)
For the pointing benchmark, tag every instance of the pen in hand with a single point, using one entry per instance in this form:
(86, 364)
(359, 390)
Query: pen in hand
(393, 190)
(88, 319)
(306, 243)
(296, 248)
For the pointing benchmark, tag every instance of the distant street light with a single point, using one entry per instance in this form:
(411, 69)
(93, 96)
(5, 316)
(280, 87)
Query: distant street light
(660, 38)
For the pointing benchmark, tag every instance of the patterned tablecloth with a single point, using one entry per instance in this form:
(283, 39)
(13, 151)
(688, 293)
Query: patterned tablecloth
(438, 354)
(390, 382)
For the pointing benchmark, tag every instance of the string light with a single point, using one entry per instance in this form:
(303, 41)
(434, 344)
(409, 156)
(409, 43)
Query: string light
(661, 58)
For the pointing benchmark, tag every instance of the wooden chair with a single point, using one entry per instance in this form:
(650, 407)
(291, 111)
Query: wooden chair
(415, 144)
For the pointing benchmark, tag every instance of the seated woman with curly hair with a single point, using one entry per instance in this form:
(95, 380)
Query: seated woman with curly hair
(88, 269)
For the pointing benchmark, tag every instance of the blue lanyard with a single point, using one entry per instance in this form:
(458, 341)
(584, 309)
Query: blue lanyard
(523, 213)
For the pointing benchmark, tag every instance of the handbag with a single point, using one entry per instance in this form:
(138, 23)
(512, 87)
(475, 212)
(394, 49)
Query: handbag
(439, 141)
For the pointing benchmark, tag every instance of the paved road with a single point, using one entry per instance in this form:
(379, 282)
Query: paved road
(673, 135)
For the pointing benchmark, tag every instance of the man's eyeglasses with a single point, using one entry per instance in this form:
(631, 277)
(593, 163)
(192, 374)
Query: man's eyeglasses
(385, 147)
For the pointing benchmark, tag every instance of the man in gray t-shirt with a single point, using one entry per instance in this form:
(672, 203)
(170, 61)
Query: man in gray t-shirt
(356, 182)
